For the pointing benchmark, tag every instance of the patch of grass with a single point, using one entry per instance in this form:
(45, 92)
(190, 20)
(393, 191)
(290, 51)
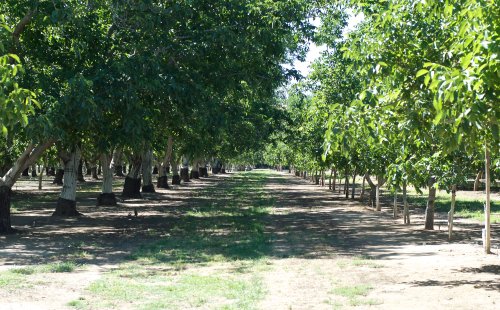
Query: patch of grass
(358, 261)
(78, 304)
(227, 229)
(161, 291)
(355, 294)
(353, 291)
(24, 270)
(61, 267)
(10, 279)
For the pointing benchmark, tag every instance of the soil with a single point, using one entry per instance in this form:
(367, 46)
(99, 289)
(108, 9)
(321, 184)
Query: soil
(320, 240)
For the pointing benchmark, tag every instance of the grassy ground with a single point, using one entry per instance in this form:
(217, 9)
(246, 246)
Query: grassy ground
(213, 255)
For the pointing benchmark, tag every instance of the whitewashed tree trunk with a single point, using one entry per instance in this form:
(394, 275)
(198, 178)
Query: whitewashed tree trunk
(452, 211)
(68, 191)
(163, 171)
(362, 195)
(107, 197)
(66, 205)
(147, 173)
(132, 186)
(395, 207)
(40, 177)
(487, 207)
(406, 211)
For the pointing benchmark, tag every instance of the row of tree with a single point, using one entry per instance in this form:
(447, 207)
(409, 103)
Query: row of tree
(411, 96)
(183, 80)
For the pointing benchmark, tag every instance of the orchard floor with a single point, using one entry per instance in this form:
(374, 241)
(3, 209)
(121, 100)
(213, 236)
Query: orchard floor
(290, 245)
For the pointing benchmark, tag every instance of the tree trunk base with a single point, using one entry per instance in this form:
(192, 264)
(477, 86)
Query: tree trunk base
(106, 199)
(176, 180)
(119, 171)
(94, 173)
(33, 173)
(203, 172)
(155, 170)
(58, 179)
(66, 208)
(162, 182)
(194, 174)
(148, 188)
(132, 188)
(223, 171)
(5, 194)
(185, 175)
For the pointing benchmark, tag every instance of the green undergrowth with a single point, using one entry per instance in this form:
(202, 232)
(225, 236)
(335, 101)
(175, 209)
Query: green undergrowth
(213, 256)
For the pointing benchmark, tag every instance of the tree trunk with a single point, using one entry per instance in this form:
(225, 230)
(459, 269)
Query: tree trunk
(30, 154)
(487, 207)
(132, 186)
(107, 197)
(362, 195)
(195, 173)
(93, 172)
(81, 179)
(26, 172)
(147, 163)
(334, 185)
(406, 212)
(429, 211)
(88, 168)
(118, 160)
(164, 166)
(330, 180)
(66, 205)
(176, 178)
(33, 171)
(353, 194)
(5, 195)
(58, 178)
(478, 180)
(40, 177)
(395, 207)
(346, 186)
(452, 210)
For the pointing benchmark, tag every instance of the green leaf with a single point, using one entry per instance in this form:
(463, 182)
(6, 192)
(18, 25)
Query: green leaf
(15, 57)
(427, 79)
(4, 131)
(465, 62)
(422, 72)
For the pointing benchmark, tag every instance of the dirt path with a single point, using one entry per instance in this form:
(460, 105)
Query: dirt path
(325, 252)
(318, 233)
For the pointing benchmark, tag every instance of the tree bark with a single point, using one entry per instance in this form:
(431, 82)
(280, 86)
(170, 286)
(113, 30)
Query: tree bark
(66, 205)
(147, 163)
(80, 178)
(406, 212)
(362, 195)
(452, 210)
(478, 180)
(5, 225)
(33, 171)
(346, 186)
(165, 164)
(118, 160)
(487, 207)
(429, 211)
(107, 197)
(132, 186)
(395, 206)
(330, 181)
(353, 194)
